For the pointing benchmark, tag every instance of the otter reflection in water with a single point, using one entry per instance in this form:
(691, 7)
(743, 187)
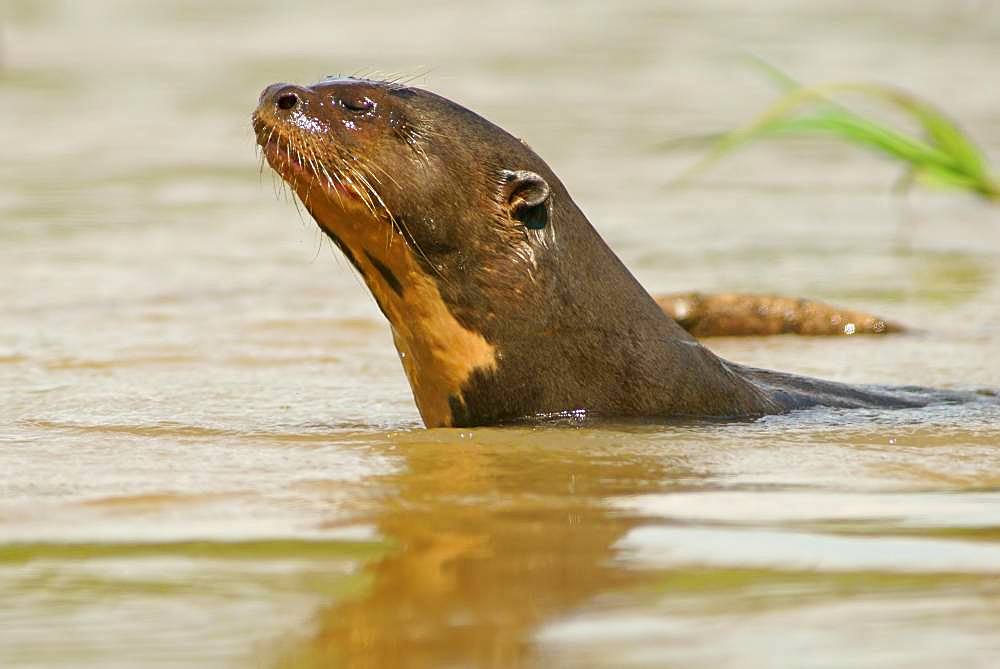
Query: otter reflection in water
(495, 536)
(504, 302)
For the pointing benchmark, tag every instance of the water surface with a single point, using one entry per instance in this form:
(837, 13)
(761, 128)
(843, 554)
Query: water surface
(208, 452)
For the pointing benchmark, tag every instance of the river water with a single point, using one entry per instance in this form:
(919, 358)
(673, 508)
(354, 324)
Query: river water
(209, 456)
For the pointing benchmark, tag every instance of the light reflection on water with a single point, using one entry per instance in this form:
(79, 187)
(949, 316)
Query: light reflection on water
(209, 454)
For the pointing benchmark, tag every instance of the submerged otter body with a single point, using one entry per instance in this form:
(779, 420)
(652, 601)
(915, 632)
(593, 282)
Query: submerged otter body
(504, 302)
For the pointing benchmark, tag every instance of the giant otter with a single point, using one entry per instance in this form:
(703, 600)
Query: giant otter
(504, 302)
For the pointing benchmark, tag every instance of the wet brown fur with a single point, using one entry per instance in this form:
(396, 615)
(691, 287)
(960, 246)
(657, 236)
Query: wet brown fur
(505, 303)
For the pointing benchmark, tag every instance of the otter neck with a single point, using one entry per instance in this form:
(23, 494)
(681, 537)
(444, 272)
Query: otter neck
(582, 334)
(438, 353)
(587, 337)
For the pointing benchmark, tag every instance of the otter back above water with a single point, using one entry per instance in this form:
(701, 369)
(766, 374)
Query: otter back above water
(504, 302)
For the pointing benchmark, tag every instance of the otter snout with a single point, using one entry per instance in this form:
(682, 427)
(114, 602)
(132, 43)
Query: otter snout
(281, 98)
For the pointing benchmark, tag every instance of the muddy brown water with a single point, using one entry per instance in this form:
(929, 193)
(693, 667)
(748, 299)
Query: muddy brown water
(209, 456)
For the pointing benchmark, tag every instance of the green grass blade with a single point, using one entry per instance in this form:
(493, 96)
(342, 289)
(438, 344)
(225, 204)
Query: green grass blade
(863, 132)
(945, 157)
(775, 74)
(943, 132)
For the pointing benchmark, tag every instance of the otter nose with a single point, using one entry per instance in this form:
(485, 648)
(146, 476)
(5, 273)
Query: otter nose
(287, 101)
(283, 97)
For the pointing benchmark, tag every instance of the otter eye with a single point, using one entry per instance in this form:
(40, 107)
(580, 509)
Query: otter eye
(359, 104)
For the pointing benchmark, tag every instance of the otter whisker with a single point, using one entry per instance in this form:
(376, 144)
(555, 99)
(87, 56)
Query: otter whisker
(373, 192)
(364, 172)
(277, 185)
(319, 246)
(413, 77)
(295, 203)
(388, 237)
(346, 183)
(307, 160)
(363, 193)
(426, 131)
(299, 162)
(286, 168)
(330, 182)
(319, 170)
(408, 236)
(362, 169)
(366, 168)
(416, 142)
(321, 173)
(389, 176)
(270, 134)
(393, 221)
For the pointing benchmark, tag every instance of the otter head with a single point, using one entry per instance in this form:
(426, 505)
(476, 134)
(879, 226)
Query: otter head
(457, 228)
(397, 161)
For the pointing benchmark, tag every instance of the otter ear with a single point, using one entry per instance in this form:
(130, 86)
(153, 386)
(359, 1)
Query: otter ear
(527, 197)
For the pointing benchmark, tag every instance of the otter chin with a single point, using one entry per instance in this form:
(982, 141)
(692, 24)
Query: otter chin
(504, 302)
